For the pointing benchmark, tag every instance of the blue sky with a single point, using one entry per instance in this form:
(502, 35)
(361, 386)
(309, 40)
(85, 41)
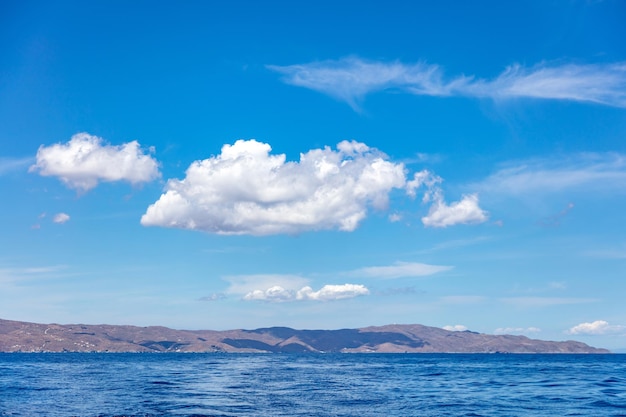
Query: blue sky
(316, 165)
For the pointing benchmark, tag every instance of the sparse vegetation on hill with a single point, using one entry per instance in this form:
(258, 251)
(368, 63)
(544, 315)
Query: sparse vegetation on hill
(31, 337)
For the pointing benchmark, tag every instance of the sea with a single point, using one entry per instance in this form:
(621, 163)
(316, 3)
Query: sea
(210, 384)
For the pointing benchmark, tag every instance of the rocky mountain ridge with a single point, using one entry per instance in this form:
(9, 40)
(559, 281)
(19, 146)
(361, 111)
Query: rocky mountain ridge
(18, 336)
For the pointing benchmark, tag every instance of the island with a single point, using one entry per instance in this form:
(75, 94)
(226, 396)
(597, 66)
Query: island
(17, 336)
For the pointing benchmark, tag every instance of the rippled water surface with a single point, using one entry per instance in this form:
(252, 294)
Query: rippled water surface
(357, 385)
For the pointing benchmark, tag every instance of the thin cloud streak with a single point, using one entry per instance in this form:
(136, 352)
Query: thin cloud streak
(614, 253)
(463, 299)
(591, 171)
(12, 275)
(530, 302)
(596, 83)
(14, 164)
(400, 270)
(457, 243)
(351, 79)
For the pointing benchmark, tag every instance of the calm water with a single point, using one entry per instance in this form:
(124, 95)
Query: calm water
(311, 385)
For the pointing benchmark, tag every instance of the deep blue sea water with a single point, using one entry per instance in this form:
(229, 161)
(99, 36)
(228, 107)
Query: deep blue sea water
(91, 384)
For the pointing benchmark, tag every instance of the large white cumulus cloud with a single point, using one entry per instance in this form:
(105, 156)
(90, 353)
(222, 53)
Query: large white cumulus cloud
(86, 160)
(247, 190)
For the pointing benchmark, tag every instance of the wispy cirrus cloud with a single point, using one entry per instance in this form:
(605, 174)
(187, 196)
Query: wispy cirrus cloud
(597, 83)
(400, 270)
(386, 292)
(618, 252)
(532, 302)
(14, 164)
(457, 243)
(87, 160)
(588, 171)
(14, 275)
(463, 299)
(351, 79)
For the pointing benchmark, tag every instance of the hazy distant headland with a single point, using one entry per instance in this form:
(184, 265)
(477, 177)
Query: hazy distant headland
(18, 336)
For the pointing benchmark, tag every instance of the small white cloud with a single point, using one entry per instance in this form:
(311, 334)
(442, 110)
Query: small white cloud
(597, 327)
(400, 270)
(351, 79)
(332, 292)
(61, 218)
(246, 190)
(213, 297)
(455, 328)
(516, 330)
(274, 294)
(85, 161)
(465, 211)
(429, 158)
(244, 284)
(277, 293)
(424, 178)
(395, 217)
